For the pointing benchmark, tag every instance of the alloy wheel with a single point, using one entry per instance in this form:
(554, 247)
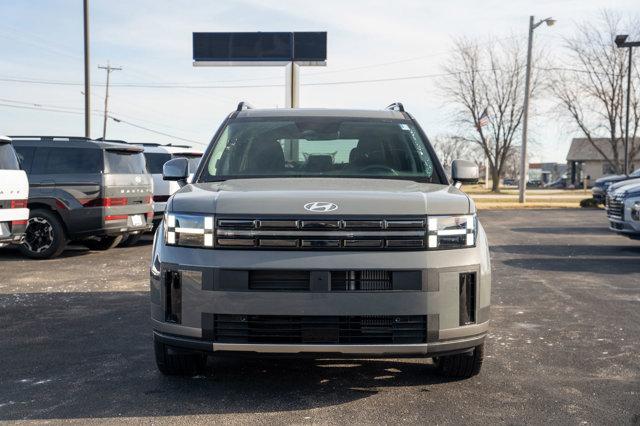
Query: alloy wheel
(39, 235)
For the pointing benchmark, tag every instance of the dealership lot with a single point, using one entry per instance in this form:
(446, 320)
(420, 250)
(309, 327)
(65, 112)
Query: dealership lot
(564, 344)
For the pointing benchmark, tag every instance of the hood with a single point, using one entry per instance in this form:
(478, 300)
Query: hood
(631, 186)
(610, 178)
(288, 196)
(624, 184)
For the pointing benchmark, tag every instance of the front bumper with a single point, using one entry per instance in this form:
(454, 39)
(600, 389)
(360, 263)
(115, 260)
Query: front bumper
(599, 194)
(423, 349)
(629, 228)
(206, 291)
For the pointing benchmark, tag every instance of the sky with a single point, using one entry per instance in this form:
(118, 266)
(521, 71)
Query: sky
(41, 41)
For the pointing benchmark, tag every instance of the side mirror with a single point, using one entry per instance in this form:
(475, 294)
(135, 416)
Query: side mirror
(176, 169)
(463, 171)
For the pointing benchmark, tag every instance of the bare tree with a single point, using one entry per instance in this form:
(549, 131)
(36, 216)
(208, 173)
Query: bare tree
(591, 86)
(488, 76)
(451, 147)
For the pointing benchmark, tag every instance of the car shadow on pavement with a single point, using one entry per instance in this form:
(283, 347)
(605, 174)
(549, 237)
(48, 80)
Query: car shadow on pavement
(90, 355)
(570, 230)
(11, 253)
(565, 250)
(618, 260)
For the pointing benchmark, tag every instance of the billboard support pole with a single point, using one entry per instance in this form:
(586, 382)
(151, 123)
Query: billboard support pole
(292, 85)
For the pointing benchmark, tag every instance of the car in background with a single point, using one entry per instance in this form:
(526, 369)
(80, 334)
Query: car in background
(623, 209)
(157, 155)
(83, 190)
(560, 183)
(14, 192)
(534, 183)
(601, 185)
(510, 182)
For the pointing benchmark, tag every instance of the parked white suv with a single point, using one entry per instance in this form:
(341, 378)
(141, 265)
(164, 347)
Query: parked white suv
(157, 155)
(14, 195)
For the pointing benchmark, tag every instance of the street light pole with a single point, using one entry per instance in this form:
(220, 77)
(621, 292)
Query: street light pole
(621, 43)
(87, 83)
(525, 115)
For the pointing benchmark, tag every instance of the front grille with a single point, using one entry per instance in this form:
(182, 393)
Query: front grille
(316, 329)
(279, 280)
(367, 280)
(615, 207)
(390, 233)
(371, 280)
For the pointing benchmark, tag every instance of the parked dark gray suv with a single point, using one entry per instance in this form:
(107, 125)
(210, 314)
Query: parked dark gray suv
(81, 189)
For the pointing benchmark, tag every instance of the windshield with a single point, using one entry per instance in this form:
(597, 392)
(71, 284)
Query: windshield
(123, 162)
(320, 147)
(636, 173)
(8, 159)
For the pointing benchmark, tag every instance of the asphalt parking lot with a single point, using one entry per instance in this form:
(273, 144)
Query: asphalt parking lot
(564, 344)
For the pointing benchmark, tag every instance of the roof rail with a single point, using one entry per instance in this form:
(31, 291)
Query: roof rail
(177, 145)
(396, 106)
(243, 105)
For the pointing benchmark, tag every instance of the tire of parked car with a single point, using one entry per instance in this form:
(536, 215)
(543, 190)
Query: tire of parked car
(460, 366)
(176, 361)
(130, 240)
(45, 236)
(103, 243)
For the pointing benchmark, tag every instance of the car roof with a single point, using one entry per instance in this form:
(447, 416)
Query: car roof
(321, 112)
(72, 142)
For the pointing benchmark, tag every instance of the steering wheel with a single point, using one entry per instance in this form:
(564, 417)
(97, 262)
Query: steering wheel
(379, 167)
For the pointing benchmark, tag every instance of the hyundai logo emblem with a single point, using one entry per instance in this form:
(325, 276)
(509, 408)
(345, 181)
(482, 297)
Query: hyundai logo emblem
(320, 206)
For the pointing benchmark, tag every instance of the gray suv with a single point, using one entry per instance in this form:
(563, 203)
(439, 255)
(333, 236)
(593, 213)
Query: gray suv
(324, 233)
(83, 190)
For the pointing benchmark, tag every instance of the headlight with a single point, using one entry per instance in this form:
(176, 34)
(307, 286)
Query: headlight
(452, 231)
(635, 211)
(188, 230)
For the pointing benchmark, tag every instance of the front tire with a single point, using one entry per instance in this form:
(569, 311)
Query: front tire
(178, 362)
(460, 366)
(103, 243)
(45, 237)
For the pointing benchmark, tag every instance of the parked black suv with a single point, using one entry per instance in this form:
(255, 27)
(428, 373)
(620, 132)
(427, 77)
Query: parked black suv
(82, 189)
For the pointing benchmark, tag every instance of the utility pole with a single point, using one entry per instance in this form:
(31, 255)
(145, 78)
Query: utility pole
(109, 70)
(525, 115)
(87, 82)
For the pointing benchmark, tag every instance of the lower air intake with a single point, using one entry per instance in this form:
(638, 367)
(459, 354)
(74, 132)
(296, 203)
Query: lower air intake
(291, 329)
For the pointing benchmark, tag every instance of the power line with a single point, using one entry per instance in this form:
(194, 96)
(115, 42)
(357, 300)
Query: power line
(258, 86)
(185, 86)
(117, 120)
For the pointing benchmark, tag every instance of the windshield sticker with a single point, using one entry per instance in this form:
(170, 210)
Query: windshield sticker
(404, 126)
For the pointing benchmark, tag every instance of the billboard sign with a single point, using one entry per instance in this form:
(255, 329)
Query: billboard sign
(259, 48)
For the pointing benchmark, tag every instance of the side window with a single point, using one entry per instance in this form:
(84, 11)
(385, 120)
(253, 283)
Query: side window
(25, 157)
(155, 161)
(67, 161)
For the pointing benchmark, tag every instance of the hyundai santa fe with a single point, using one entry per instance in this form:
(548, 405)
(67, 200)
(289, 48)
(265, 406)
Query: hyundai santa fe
(320, 232)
